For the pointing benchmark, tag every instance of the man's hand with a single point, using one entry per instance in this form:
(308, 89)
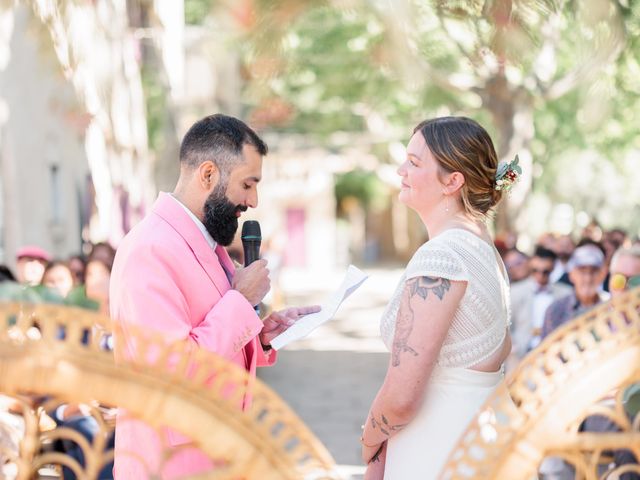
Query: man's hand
(278, 322)
(252, 281)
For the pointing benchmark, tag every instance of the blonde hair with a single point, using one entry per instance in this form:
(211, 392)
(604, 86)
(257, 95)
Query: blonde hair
(460, 144)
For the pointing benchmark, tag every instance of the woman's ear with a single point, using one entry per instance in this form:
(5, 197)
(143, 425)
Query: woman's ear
(208, 175)
(453, 183)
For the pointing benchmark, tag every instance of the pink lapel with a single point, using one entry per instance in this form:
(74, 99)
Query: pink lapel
(225, 260)
(170, 211)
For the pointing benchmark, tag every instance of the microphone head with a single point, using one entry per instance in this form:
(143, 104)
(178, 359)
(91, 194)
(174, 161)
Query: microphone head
(251, 230)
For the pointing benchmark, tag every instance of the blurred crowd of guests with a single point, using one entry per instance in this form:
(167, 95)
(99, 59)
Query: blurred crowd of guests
(79, 280)
(560, 280)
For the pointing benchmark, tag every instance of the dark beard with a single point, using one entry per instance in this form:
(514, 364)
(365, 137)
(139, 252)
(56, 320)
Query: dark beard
(220, 216)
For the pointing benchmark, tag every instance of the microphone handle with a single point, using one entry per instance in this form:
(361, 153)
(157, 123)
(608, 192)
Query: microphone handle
(251, 254)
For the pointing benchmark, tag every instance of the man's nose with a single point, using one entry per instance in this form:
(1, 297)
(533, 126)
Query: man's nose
(252, 200)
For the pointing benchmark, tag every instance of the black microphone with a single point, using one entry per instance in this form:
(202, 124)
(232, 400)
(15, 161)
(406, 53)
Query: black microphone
(251, 240)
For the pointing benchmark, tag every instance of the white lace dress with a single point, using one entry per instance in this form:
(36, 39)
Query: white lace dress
(454, 391)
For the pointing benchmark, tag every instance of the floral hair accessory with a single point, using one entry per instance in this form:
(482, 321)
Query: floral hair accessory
(508, 175)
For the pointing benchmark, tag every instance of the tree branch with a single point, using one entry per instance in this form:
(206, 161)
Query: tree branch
(587, 71)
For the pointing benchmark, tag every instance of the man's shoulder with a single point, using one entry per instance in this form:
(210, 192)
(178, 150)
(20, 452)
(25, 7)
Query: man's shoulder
(522, 287)
(562, 304)
(153, 232)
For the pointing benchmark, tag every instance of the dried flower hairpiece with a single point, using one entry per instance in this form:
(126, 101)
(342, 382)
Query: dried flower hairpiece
(508, 175)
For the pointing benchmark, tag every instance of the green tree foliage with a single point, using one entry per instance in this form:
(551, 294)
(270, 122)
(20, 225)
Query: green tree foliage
(545, 76)
(363, 185)
(196, 11)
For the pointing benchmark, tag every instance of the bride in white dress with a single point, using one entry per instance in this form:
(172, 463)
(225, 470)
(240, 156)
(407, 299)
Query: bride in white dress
(447, 325)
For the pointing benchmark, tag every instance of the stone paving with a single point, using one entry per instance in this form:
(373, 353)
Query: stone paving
(331, 377)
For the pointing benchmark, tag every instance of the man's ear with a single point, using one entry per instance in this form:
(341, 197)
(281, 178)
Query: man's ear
(208, 174)
(453, 183)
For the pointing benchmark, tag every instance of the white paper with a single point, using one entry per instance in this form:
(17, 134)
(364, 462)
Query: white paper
(303, 327)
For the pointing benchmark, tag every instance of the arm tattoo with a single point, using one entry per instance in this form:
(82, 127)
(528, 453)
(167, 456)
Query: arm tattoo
(404, 324)
(422, 285)
(384, 426)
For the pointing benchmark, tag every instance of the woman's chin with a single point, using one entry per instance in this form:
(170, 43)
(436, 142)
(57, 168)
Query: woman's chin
(403, 196)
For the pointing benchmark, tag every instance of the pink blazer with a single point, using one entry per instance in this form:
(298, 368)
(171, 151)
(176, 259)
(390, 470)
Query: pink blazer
(166, 278)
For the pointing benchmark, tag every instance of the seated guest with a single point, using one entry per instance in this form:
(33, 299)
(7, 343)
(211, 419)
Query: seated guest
(58, 277)
(563, 247)
(30, 264)
(517, 264)
(77, 264)
(529, 301)
(98, 275)
(586, 271)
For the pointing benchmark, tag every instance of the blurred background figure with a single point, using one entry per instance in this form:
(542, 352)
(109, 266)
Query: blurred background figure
(587, 270)
(6, 275)
(98, 274)
(625, 270)
(563, 247)
(77, 265)
(30, 264)
(517, 265)
(58, 276)
(530, 299)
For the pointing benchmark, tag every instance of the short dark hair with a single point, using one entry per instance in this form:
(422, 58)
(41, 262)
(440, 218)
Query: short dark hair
(218, 138)
(589, 241)
(544, 253)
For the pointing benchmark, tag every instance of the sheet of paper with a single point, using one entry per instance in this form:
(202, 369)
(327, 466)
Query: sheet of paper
(303, 327)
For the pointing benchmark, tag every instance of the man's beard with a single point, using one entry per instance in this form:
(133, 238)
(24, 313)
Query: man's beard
(220, 216)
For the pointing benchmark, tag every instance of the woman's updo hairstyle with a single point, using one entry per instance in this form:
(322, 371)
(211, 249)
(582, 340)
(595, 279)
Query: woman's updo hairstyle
(460, 144)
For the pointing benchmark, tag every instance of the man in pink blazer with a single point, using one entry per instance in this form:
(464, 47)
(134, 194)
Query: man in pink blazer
(172, 275)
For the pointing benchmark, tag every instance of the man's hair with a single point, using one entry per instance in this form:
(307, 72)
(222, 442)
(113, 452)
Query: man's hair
(544, 253)
(218, 138)
(589, 241)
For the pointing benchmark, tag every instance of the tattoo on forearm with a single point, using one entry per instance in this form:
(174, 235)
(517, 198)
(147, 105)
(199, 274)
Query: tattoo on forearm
(376, 457)
(384, 426)
(404, 326)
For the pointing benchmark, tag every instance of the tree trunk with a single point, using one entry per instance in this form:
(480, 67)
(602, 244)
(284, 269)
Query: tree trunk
(511, 109)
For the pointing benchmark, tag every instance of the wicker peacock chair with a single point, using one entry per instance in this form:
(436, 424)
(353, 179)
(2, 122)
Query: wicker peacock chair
(63, 365)
(569, 377)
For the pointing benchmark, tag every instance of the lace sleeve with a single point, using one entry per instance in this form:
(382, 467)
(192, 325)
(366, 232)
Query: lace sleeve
(437, 261)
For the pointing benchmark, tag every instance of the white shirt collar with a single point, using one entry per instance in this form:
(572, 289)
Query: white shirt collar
(207, 236)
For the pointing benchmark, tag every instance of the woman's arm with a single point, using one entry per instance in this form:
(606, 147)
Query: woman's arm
(426, 311)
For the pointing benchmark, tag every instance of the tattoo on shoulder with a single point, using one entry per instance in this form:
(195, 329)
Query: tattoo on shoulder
(422, 285)
(384, 426)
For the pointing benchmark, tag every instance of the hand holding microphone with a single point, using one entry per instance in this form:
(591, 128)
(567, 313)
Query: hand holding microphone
(253, 280)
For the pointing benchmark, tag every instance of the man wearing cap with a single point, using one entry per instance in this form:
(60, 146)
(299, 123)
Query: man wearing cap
(587, 270)
(30, 264)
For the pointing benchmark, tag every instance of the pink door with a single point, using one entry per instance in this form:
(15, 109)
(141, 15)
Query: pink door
(295, 255)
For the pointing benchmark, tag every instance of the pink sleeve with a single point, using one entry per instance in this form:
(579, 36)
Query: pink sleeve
(266, 359)
(150, 297)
